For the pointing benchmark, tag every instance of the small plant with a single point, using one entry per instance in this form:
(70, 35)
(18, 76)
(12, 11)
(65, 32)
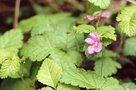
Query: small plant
(56, 55)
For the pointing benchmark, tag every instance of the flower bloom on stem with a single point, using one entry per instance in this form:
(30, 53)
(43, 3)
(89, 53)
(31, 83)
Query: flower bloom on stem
(94, 43)
(105, 15)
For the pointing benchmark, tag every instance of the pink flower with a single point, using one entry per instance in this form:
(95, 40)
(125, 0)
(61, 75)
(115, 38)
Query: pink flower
(90, 18)
(94, 43)
(105, 15)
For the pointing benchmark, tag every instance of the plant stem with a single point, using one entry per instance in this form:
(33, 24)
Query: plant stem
(98, 23)
(21, 77)
(16, 14)
(121, 42)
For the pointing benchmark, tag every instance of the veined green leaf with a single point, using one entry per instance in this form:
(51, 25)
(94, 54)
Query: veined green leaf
(84, 28)
(40, 46)
(106, 53)
(127, 20)
(101, 3)
(49, 73)
(69, 56)
(10, 63)
(106, 67)
(88, 79)
(47, 23)
(11, 39)
(107, 32)
(10, 42)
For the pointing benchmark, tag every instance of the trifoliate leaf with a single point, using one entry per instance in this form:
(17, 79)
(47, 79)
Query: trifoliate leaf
(106, 32)
(11, 39)
(88, 79)
(67, 87)
(101, 3)
(106, 67)
(46, 88)
(129, 86)
(84, 28)
(10, 63)
(129, 47)
(127, 20)
(17, 84)
(49, 73)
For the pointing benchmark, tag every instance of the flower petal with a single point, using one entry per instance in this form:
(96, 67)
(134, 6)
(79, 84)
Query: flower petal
(94, 36)
(90, 50)
(98, 47)
(90, 41)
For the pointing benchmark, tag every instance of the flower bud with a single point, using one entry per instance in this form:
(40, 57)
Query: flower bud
(105, 15)
(90, 18)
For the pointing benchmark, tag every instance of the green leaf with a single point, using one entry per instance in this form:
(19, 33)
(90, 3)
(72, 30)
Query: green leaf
(69, 56)
(52, 23)
(84, 28)
(67, 87)
(129, 47)
(10, 42)
(11, 39)
(127, 20)
(106, 67)
(16, 84)
(46, 88)
(55, 36)
(49, 73)
(27, 25)
(88, 79)
(129, 86)
(40, 46)
(101, 3)
(106, 32)
(91, 8)
(105, 53)
(10, 63)
(46, 23)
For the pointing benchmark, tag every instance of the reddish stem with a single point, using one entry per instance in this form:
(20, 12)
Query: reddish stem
(16, 14)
